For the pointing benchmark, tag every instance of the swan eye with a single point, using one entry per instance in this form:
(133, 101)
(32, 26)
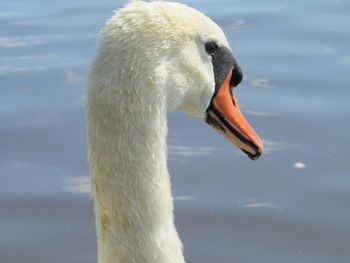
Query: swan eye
(211, 48)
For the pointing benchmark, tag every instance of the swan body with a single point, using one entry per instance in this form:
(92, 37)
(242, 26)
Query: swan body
(152, 59)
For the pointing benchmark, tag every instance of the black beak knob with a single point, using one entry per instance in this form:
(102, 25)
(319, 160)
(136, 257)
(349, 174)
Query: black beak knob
(237, 75)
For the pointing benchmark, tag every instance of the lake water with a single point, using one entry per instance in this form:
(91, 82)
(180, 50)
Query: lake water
(292, 205)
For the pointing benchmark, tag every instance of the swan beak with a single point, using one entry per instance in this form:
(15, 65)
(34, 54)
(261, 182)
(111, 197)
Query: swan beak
(226, 117)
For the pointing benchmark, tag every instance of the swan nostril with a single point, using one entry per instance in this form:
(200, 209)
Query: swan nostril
(237, 76)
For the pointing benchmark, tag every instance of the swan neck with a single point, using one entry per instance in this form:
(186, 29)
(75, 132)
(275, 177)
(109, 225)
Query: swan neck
(130, 181)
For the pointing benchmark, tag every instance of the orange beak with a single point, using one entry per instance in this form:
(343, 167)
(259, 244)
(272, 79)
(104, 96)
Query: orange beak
(226, 117)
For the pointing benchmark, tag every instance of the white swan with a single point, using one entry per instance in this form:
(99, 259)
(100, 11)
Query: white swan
(153, 58)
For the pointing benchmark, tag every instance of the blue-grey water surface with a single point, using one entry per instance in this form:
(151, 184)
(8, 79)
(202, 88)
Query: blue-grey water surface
(292, 205)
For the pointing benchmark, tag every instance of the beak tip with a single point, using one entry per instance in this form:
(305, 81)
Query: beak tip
(256, 156)
(253, 157)
(259, 152)
(260, 149)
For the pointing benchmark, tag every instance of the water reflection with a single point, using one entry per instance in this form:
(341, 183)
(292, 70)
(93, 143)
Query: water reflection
(256, 204)
(186, 151)
(6, 42)
(39, 40)
(42, 62)
(345, 61)
(261, 83)
(259, 113)
(73, 78)
(299, 165)
(77, 185)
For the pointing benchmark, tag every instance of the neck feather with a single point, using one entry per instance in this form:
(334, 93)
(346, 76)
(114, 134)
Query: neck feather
(130, 180)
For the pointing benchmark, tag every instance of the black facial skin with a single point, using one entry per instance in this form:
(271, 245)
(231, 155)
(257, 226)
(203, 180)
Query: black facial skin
(223, 61)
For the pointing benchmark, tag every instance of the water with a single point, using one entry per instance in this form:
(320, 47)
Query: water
(290, 206)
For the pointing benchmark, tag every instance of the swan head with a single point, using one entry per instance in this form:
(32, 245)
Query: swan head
(171, 52)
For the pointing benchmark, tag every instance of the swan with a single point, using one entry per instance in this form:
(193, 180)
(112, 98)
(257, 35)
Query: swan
(153, 58)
